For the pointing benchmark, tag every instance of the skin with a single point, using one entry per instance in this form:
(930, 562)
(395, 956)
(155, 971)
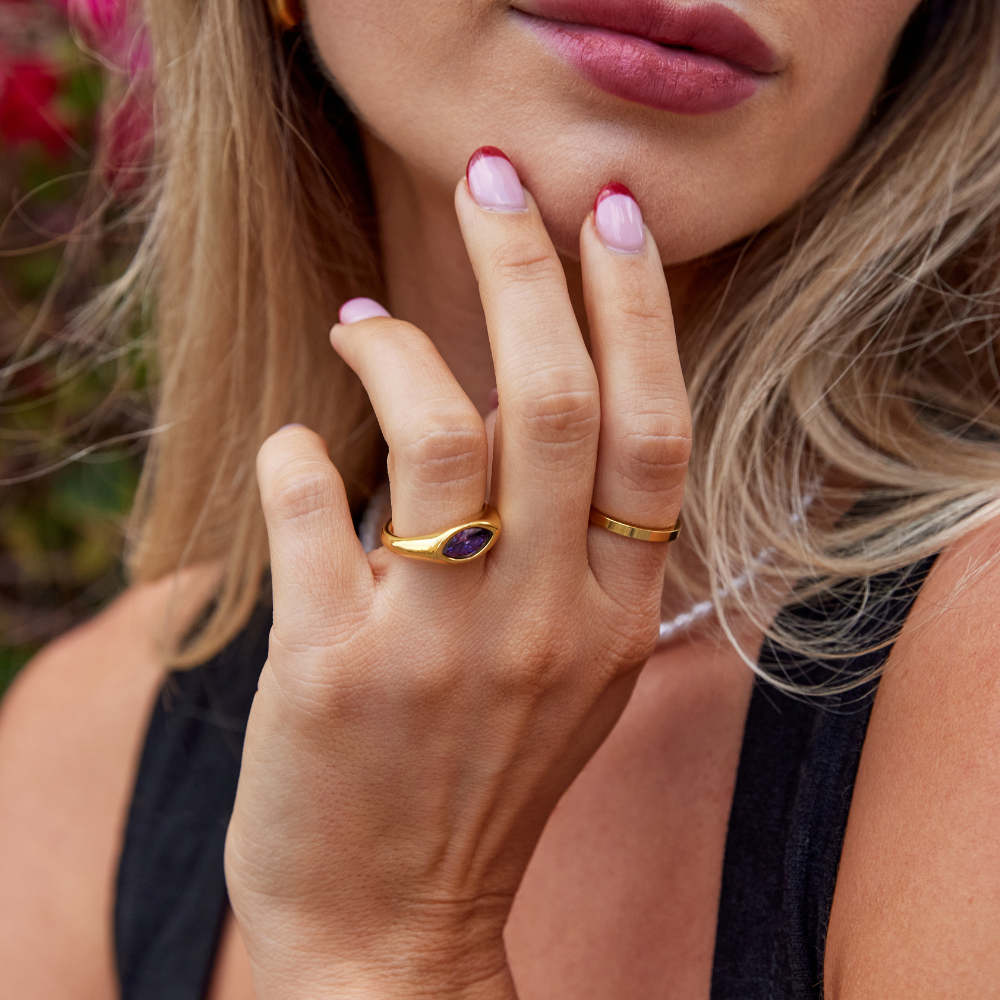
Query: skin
(429, 82)
(489, 813)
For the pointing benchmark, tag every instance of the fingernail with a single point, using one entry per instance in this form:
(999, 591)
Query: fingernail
(494, 399)
(284, 427)
(493, 181)
(355, 310)
(618, 219)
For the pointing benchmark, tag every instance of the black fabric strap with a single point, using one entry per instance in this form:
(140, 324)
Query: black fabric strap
(171, 891)
(793, 794)
(789, 813)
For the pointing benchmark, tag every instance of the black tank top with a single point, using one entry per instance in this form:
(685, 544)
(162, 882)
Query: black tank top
(793, 792)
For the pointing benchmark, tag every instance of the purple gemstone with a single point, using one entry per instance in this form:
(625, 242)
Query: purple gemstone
(466, 543)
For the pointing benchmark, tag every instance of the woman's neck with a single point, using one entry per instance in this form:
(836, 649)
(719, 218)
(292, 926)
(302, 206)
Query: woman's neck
(429, 280)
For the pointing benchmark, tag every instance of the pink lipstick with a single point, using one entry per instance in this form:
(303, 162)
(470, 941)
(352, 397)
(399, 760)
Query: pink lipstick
(688, 59)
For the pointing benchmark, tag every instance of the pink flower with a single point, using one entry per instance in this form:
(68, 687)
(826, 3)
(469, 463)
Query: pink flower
(27, 90)
(128, 141)
(112, 29)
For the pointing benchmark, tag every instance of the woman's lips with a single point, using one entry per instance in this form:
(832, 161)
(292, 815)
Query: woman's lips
(688, 60)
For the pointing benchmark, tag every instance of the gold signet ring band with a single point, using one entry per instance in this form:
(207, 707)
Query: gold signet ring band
(602, 520)
(459, 544)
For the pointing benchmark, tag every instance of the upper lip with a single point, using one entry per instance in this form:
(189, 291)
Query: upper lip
(712, 28)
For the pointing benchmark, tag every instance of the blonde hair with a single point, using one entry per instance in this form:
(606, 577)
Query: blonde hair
(848, 351)
(851, 358)
(260, 229)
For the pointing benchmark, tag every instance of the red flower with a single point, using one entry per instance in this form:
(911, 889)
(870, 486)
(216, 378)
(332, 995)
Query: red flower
(27, 89)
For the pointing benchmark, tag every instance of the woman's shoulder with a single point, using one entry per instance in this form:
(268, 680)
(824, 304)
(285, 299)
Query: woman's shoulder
(919, 882)
(71, 729)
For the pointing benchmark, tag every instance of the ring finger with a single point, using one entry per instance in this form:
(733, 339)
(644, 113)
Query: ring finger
(549, 404)
(645, 420)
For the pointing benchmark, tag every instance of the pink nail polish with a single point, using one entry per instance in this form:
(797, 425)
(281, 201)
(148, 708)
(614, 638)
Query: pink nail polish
(618, 219)
(355, 310)
(493, 181)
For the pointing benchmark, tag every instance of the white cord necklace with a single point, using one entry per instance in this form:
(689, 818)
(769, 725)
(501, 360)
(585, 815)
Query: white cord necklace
(670, 630)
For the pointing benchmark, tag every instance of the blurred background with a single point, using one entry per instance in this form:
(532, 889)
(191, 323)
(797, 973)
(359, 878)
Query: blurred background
(74, 129)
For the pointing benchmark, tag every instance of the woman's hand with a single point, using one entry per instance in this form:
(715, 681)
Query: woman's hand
(416, 723)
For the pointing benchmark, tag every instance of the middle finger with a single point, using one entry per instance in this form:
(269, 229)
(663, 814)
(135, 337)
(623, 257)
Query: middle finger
(549, 396)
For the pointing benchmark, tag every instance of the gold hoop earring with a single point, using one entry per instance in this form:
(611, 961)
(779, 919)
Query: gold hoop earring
(285, 13)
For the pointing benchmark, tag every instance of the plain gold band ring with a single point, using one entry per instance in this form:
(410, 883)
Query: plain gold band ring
(601, 520)
(458, 544)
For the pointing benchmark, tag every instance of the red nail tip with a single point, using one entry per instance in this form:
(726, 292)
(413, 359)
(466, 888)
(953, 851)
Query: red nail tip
(609, 189)
(482, 153)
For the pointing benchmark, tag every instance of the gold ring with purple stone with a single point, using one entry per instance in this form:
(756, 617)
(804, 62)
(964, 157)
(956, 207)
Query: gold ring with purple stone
(459, 544)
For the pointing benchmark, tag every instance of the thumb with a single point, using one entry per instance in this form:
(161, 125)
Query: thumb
(320, 575)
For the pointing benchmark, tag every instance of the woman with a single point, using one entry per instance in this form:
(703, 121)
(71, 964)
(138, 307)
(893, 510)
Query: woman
(472, 779)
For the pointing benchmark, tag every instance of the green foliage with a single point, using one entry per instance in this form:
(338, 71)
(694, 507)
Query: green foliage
(12, 658)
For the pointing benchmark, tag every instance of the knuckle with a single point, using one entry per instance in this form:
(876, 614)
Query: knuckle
(523, 260)
(300, 491)
(431, 683)
(445, 449)
(654, 452)
(385, 333)
(649, 317)
(532, 670)
(315, 631)
(629, 638)
(432, 672)
(564, 413)
(626, 650)
(542, 655)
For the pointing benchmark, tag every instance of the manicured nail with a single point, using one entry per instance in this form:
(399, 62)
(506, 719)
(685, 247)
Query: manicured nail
(493, 181)
(355, 310)
(494, 399)
(618, 219)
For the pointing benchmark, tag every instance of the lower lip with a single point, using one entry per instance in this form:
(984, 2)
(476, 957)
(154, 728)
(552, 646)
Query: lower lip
(637, 70)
